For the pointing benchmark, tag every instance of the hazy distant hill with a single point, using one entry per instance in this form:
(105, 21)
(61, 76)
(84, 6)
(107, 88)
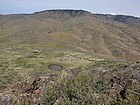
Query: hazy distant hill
(105, 35)
(129, 20)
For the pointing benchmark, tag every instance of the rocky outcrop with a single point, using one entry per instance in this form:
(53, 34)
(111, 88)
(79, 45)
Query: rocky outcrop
(29, 90)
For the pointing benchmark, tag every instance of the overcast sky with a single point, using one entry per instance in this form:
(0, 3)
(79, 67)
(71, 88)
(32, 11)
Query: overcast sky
(127, 7)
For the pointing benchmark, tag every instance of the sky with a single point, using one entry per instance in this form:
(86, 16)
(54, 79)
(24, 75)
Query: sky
(126, 7)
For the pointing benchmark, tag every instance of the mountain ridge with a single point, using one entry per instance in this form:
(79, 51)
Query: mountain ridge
(80, 30)
(70, 10)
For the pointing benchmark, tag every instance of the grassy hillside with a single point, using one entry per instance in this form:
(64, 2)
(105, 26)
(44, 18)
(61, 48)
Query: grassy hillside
(77, 30)
(98, 83)
(58, 57)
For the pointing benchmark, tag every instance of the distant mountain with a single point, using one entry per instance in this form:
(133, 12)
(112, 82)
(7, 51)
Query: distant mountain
(61, 14)
(108, 36)
(129, 20)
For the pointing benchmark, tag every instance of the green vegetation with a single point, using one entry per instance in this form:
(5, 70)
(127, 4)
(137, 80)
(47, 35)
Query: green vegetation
(69, 58)
(87, 89)
(73, 30)
(23, 61)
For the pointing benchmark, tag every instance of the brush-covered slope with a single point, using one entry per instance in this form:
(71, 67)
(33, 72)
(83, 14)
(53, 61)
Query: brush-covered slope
(73, 29)
(129, 20)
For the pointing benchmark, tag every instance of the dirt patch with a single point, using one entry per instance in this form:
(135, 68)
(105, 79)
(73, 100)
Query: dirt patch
(55, 67)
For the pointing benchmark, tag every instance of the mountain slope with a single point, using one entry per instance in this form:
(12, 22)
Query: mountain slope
(129, 20)
(102, 35)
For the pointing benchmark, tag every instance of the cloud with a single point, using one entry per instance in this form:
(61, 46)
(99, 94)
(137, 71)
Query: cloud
(112, 13)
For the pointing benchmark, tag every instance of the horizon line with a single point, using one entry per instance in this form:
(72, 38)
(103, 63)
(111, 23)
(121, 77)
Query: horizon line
(30, 13)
